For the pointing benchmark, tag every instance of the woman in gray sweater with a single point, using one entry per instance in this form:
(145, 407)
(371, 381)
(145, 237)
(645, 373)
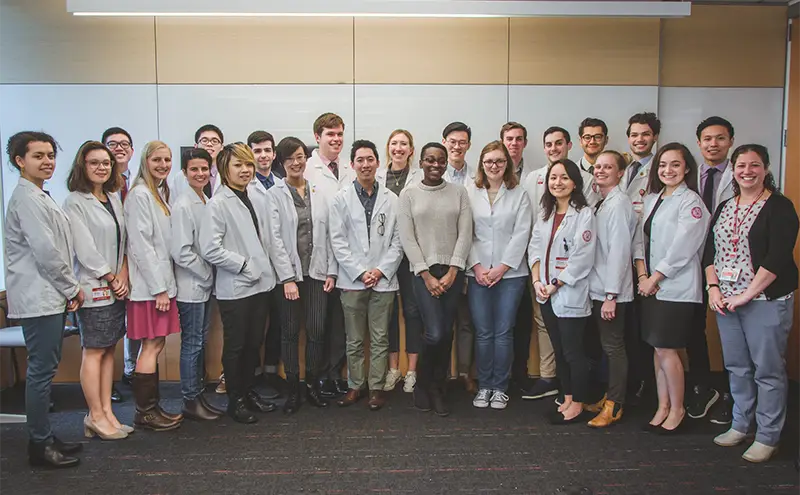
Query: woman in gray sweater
(435, 222)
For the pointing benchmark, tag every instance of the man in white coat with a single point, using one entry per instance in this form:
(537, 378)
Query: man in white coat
(210, 138)
(593, 136)
(367, 246)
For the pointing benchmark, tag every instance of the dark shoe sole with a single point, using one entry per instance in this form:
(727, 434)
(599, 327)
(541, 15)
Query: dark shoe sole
(153, 428)
(45, 464)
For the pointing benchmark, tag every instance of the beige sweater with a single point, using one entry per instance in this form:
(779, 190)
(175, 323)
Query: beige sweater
(435, 225)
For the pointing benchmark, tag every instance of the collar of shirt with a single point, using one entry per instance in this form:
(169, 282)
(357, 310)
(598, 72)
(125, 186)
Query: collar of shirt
(363, 194)
(323, 158)
(704, 168)
(268, 180)
(457, 175)
(644, 161)
(240, 194)
(520, 166)
(585, 165)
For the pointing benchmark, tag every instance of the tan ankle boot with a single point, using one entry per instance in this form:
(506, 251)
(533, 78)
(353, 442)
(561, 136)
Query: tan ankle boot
(606, 417)
(597, 406)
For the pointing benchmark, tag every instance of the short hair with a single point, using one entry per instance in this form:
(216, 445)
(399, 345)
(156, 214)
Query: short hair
(78, 179)
(592, 122)
(438, 146)
(190, 154)
(361, 144)
(714, 121)
(327, 120)
(553, 130)
(509, 175)
(645, 118)
(622, 163)
(17, 144)
(207, 128)
(761, 151)
(509, 126)
(228, 153)
(256, 137)
(654, 184)
(577, 199)
(286, 148)
(115, 130)
(407, 134)
(457, 127)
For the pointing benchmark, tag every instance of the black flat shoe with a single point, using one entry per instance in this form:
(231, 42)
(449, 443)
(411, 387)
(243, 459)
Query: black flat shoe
(47, 455)
(328, 390)
(422, 401)
(239, 412)
(675, 431)
(650, 428)
(256, 403)
(556, 418)
(115, 395)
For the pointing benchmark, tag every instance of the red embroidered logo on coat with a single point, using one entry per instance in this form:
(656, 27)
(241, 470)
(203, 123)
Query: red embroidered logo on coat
(541, 180)
(587, 235)
(697, 212)
(641, 192)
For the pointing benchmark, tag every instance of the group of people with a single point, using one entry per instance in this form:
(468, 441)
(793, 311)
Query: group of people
(610, 262)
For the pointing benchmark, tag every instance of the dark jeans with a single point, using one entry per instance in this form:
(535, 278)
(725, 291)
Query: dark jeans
(272, 339)
(43, 338)
(194, 319)
(697, 346)
(639, 352)
(572, 365)
(335, 338)
(612, 338)
(522, 335)
(438, 315)
(411, 314)
(243, 322)
(311, 308)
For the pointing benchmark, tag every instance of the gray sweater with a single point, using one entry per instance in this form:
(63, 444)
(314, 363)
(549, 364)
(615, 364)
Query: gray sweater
(435, 225)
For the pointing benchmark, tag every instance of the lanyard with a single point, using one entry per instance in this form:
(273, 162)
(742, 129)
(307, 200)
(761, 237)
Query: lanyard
(737, 223)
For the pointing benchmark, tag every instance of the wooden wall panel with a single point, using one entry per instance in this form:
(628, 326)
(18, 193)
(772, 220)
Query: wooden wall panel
(42, 43)
(792, 185)
(431, 51)
(584, 51)
(725, 46)
(255, 50)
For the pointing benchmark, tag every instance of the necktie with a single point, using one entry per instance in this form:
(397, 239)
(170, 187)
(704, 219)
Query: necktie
(708, 189)
(634, 166)
(334, 167)
(124, 190)
(597, 205)
(207, 189)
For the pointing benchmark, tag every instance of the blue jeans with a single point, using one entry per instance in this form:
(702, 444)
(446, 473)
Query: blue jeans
(43, 338)
(494, 313)
(194, 319)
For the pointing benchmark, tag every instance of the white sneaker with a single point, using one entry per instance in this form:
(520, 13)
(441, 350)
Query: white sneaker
(481, 400)
(730, 438)
(410, 381)
(758, 452)
(499, 400)
(392, 377)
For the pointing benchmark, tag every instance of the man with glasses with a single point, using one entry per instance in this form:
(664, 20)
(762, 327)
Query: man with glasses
(210, 138)
(366, 244)
(457, 139)
(594, 138)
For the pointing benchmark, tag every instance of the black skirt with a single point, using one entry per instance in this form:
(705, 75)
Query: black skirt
(666, 324)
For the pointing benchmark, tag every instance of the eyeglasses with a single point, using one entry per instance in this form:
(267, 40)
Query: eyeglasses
(296, 159)
(495, 163)
(593, 137)
(462, 143)
(211, 141)
(381, 223)
(98, 163)
(433, 161)
(125, 145)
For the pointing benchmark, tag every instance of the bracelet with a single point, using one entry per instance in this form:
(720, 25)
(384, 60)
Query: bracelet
(537, 280)
(642, 275)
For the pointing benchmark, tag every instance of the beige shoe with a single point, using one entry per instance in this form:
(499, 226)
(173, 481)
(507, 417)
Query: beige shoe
(409, 381)
(90, 430)
(392, 377)
(606, 417)
(730, 438)
(758, 452)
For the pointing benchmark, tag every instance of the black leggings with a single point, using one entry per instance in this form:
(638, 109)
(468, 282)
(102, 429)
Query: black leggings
(572, 365)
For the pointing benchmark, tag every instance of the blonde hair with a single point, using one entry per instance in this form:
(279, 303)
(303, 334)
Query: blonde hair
(234, 150)
(149, 180)
(410, 158)
(509, 176)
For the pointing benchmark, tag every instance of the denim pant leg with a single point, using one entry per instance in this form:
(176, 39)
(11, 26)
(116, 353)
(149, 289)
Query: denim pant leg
(506, 298)
(131, 350)
(194, 321)
(43, 339)
(483, 318)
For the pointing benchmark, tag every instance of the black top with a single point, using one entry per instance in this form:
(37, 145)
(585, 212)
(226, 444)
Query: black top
(243, 196)
(648, 225)
(110, 209)
(772, 238)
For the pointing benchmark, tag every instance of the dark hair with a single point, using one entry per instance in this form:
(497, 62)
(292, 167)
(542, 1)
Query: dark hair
(363, 143)
(761, 151)
(286, 148)
(457, 127)
(438, 146)
(206, 128)
(714, 121)
(190, 154)
(577, 199)
(115, 130)
(256, 137)
(510, 126)
(622, 163)
(654, 184)
(592, 122)
(554, 129)
(17, 144)
(78, 179)
(327, 120)
(509, 176)
(645, 118)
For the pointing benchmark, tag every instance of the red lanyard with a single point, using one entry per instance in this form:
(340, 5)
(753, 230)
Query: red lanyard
(737, 224)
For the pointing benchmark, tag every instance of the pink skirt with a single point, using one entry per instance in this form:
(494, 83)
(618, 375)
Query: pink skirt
(146, 322)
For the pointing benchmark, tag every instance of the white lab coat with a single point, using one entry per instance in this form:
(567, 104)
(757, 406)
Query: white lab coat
(319, 174)
(501, 231)
(678, 233)
(414, 176)
(612, 272)
(178, 185)
(354, 250)
(228, 238)
(283, 233)
(725, 189)
(536, 183)
(38, 254)
(193, 274)
(149, 240)
(95, 239)
(573, 248)
(636, 189)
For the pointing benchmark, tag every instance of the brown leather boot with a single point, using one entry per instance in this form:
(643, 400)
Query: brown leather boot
(147, 413)
(611, 413)
(353, 395)
(597, 406)
(195, 409)
(166, 414)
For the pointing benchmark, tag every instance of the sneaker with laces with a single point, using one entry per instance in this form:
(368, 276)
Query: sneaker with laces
(481, 400)
(499, 400)
(722, 412)
(543, 387)
(392, 377)
(409, 381)
(221, 389)
(700, 400)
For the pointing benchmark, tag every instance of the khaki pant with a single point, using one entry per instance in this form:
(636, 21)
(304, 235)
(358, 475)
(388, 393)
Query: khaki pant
(367, 312)
(547, 358)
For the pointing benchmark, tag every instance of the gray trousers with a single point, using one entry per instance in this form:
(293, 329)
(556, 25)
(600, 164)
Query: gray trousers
(43, 338)
(612, 339)
(367, 314)
(754, 350)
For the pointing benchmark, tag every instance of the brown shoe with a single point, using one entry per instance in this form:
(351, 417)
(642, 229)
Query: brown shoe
(145, 390)
(376, 400)
(195, 409)
(610, 414)
(170, 416)
(351, 397)
(597, 406)
(469, 385)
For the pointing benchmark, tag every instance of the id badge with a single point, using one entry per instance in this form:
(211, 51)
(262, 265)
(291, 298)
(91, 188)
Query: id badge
(101, 294)
(561, 263)
(730, 275)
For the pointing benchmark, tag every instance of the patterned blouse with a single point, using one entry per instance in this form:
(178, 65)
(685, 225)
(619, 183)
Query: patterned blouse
(733, 254)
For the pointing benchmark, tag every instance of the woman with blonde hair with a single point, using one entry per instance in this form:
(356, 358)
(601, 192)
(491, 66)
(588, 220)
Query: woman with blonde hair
(152, 311)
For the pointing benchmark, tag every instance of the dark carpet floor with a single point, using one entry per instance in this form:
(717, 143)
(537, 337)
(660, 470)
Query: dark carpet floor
(395, 450)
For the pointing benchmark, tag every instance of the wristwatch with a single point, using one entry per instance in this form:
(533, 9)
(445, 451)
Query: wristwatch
(611, 297)
(709, 286)
(554, 281)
